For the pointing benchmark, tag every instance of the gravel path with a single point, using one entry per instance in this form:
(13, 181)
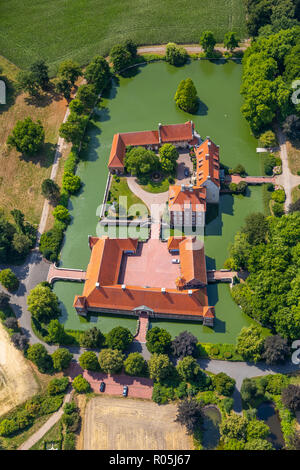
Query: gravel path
(286, 179)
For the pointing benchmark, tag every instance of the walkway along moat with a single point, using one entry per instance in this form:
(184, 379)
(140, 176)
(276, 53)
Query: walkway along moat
(152, 88)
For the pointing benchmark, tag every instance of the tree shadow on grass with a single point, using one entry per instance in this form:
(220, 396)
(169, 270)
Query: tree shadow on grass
(45, 98)
(44, 157)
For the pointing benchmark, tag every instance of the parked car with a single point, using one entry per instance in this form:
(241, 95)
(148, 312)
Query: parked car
(125, 391)
(175, 261)
(102, 386)
(186, 172)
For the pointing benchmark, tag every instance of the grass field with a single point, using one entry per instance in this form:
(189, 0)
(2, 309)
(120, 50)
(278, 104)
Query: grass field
(79, 29)
(114, 423)
(21, 177)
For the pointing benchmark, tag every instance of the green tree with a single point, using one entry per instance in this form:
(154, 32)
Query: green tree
(291, 397)
(98, 73)
(92, 338)
(50, 190)
(190, 414)
(256, 229)
(80, 384)
(73, 129)
(9, 280)
(158, 340)
(119, 338)
(160, 367)
(249, 391)
(37, 353)
(258, 444)
(257, 430)
(234, 427)
(111, 360)
(188, 369)
(275, 349)
(88, 360)
(168, 155)
(76, 106)
(56, 332)
(176, 55)
(64, 87)
(185, 344)
(231, 41)
(27, 136)
(224, 384)
(121, 57)
(26, 82)
(135, 365)
(40, 71)
(61, 359)
(268, 139)
(140, 161)
(58, 385)
(186, 96)
(43, 303)
(71, 183)
(240, 250)
(207, 42)
(250, 343)
(87, 95)
(61, 213)
(69, 71)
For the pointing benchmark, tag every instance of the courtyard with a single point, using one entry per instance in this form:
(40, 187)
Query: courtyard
(151, 266)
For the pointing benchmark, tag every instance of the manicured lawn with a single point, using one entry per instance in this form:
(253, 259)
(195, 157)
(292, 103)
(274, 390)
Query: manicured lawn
(79, 29)
(295, 194)
(156, 187)
(119, 188)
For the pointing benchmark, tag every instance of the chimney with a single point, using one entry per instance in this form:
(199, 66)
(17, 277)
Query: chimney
(182, 187)
(163, 289)
(97, 284)
(159, 136)
(192, 125)
(190, 292)
(191, 188)
(207, 156)
(123, 286)
(209, 143)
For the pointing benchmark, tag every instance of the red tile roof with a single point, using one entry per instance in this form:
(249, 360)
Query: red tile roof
(177, 132)
(192, 260)
(208, 166)
(179, 199)
(104, 268)
(169, 133)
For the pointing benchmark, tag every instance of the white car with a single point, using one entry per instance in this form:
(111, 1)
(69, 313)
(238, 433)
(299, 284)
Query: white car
(175, 261)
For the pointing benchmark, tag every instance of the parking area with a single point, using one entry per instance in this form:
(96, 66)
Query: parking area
(184, 162)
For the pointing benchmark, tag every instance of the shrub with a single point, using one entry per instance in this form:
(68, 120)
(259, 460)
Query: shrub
(50, 243)
(186, 96)
(228, 404)
(291, 397)
(135, 365)
(242, 186)
(278, 195)
(43, 303)
(69, 442)
(50, 190)
(233, 187)
(61, 359)
(215, 351)
(227, 354)
(80, 384)
(61, 213)
(278, 209)
(268, 139)
(238, 170)
(176, 55)
(71, 183)
(38, 354)
(11, 323)
(276, 383)
(92, 338)
(224, 384)
(9, 280)
(269, 163)
(20, 341)
(58, 386)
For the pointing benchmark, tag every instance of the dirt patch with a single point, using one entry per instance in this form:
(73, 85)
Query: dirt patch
(126, 424)
(294, 157)
(17, 381)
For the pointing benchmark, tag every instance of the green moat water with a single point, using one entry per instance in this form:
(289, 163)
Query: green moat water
(140, 102)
